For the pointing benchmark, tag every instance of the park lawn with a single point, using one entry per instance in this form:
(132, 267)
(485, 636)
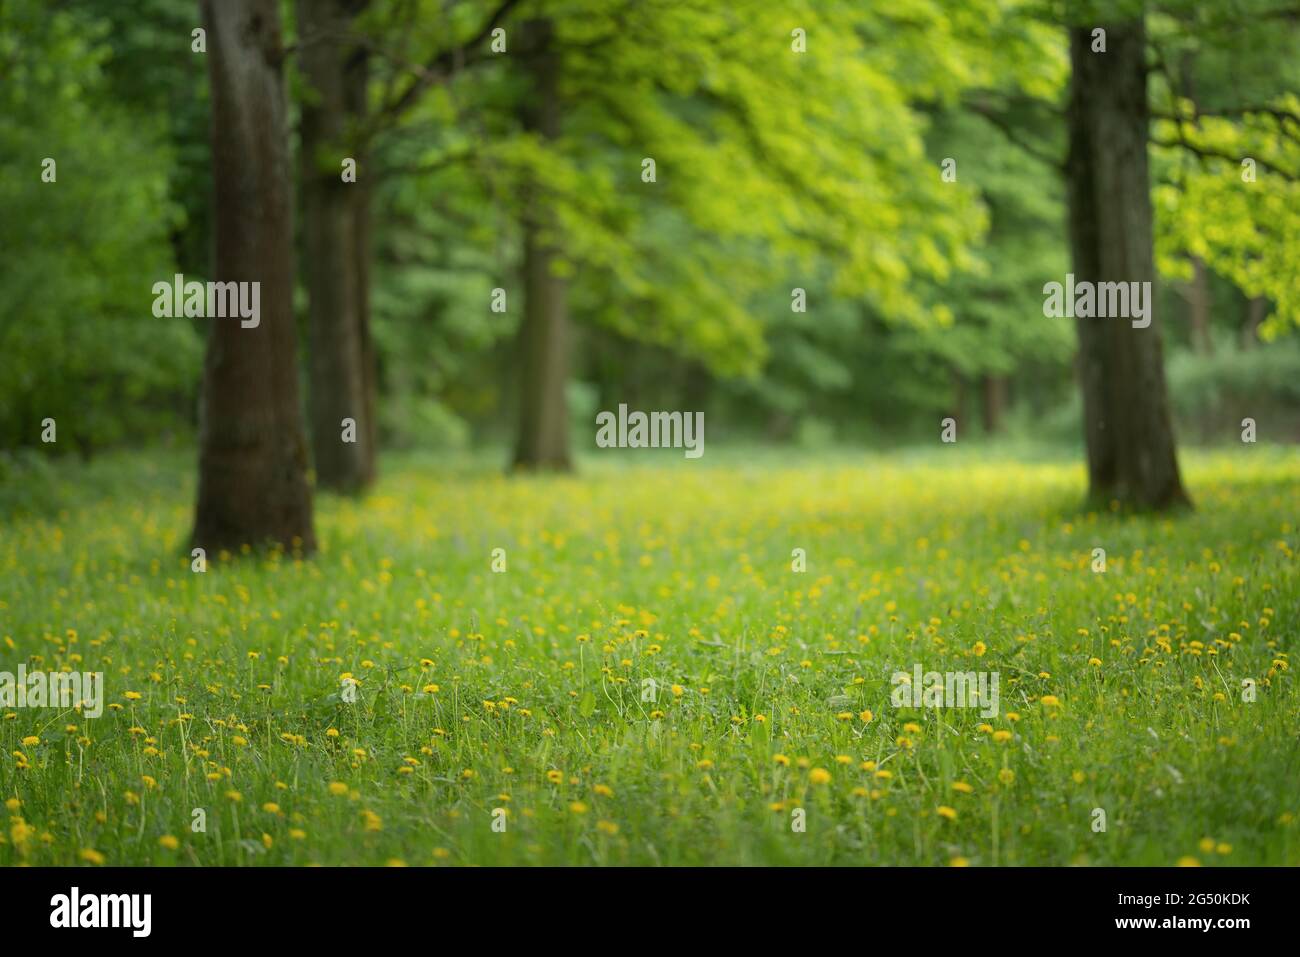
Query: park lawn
(523, 689)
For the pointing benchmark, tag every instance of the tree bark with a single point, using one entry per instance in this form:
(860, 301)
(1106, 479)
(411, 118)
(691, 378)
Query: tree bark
(336, 245)
(1132, 457)
(543, 440)
(1256, 309)
(995, 402)
(253, 485)
(960, 400)
(1198, 303)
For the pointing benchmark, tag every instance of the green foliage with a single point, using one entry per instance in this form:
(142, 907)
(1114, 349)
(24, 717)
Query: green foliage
(1211, 394)
(1225, 91)
(78, 341)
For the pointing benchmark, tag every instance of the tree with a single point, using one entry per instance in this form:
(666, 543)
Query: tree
(1127, 427)
(711, 160)
(337, 44)
(544, 341)
(335, 196)
(252, 449)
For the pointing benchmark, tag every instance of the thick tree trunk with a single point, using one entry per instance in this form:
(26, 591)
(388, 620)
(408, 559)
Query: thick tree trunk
(543, 441)
(252, 450)
(995, 402)
(336, 246)
(1131, 453)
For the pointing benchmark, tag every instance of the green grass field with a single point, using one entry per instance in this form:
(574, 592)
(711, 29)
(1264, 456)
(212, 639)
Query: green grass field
(523, 690)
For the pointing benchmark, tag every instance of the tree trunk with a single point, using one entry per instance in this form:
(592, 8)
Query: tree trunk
(960, 401)
(1132, 458)
(543, 441)
(335, 242)
(252, 450)
(1198, 303)
(995, 402)
(1256, 309)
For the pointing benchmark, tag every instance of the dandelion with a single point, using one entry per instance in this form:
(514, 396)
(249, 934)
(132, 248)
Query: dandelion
(819, 776)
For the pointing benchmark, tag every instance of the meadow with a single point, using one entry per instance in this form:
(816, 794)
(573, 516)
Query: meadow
(394, 700)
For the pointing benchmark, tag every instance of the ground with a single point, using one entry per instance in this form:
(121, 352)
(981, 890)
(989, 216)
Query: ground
(1121, 691)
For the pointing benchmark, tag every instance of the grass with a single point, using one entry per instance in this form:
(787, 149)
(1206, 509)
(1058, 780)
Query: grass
(523, 690)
